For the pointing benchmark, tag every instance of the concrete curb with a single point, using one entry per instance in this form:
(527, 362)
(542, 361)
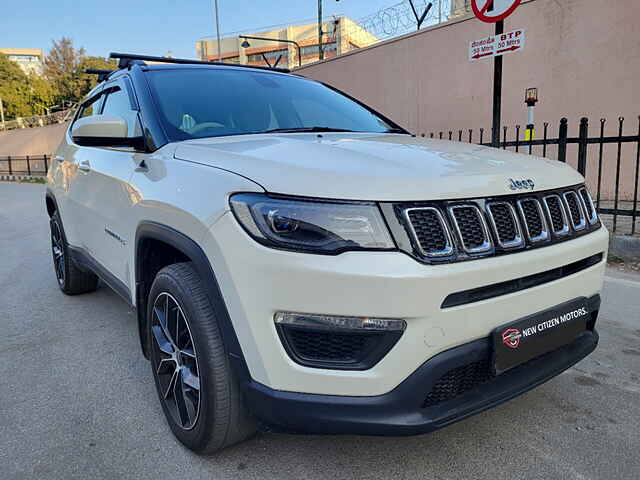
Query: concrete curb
(624, 247)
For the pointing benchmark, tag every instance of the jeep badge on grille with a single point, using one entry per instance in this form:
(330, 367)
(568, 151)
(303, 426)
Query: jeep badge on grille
(524, 184)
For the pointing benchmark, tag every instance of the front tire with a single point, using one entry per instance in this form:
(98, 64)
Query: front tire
(199, 393)
(71, 279)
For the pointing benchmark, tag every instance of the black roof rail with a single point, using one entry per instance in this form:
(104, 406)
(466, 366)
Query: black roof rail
(102, 74)
(127, 59)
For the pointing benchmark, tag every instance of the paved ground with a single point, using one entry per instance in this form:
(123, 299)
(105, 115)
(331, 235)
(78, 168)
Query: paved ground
(32, 141)
(77, 398)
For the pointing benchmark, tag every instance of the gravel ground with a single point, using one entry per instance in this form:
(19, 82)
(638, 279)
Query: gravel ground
(77, 398)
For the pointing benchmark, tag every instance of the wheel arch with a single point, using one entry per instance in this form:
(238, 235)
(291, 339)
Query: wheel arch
(50, 202)
(175, 246)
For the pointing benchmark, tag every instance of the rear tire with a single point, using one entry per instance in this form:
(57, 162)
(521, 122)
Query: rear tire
(199, 393)
(71, 279)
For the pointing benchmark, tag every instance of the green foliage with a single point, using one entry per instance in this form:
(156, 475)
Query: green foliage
(86, 81)
(64, 80)
(65, 66)
(14, 90)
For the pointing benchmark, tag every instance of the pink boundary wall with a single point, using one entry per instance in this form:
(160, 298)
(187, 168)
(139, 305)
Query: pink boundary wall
(582, 55)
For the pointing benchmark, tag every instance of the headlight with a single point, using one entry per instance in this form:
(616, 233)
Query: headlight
(315, 226)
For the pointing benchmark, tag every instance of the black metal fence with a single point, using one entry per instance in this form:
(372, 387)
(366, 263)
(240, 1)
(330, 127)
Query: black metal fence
(31, 165)
(592, 159)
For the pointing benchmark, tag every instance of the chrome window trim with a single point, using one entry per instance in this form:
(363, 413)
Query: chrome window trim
(583, 218)
(487, 245)
(594, 218)
(544, 235)
(519, 240)
(565, 220)
(449, 241)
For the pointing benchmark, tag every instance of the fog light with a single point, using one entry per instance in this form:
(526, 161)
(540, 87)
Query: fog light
(336, 342)
(331, 322)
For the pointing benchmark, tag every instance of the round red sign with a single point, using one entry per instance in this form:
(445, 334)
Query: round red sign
(492, 11)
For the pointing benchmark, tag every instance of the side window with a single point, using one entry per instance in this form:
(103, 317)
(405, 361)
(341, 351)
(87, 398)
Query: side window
(117, 103)
(92, 107)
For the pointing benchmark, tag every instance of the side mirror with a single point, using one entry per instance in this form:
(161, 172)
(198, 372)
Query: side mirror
(104, 131)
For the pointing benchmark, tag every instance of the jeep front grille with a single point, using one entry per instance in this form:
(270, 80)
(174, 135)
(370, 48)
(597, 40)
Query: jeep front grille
(445, 231)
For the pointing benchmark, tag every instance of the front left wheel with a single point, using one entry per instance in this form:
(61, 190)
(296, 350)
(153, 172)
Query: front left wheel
(199, 393)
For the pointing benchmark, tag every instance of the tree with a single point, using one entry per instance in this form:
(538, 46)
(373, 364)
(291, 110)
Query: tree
(87, 82)
(65, 67)
(14, 89)
(62, 68)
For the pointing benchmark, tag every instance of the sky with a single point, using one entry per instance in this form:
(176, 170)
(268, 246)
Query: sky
(155, 27)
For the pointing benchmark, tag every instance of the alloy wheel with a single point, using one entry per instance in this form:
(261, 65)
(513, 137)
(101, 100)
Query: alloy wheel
(57, 250)
(175, 361)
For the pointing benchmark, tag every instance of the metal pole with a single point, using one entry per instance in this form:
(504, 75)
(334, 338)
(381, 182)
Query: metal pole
(497, 91)
(2, 115)
(439, 11)
(215, 3)
(320, 51)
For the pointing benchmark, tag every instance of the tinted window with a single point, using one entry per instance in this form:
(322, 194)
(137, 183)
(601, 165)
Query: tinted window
(196, 103)
(91, 108)
(117, 103)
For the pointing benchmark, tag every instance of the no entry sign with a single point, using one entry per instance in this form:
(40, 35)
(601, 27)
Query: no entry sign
(492, 11)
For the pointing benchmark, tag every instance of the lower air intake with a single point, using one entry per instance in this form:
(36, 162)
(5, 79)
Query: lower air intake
(458, 381)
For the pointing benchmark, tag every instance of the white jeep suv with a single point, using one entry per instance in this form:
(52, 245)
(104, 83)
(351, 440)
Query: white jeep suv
(301, 263)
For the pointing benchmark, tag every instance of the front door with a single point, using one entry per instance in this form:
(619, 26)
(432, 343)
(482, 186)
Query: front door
(103, 192)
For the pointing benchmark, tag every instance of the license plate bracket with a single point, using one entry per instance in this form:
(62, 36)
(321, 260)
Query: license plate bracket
(524, 339)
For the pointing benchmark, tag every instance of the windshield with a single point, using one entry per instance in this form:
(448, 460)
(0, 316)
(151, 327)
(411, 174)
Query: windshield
(196, 103)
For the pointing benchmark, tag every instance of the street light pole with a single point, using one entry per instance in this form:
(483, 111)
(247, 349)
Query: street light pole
(320, 50)
(215, 4)
(273, 40)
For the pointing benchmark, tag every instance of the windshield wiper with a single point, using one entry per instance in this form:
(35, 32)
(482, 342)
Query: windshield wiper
(307, 129)
(395, 130)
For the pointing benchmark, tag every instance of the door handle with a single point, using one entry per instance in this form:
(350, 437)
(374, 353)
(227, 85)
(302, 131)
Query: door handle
(59, 158)
(85, 166)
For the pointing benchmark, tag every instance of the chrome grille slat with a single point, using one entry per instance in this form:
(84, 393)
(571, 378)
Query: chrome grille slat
(505, 224)
(589, 207)
(535, 224)
(429, 231)
(575, 209)
(557, 214)
(471, 228)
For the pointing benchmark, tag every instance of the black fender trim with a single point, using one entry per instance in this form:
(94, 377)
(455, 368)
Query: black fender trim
(163, 233)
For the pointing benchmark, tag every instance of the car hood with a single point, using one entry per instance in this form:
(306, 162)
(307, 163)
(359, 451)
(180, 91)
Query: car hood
(384, 167)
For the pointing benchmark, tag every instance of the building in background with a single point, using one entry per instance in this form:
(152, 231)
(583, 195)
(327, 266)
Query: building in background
(340, 35)
(30, 60)
(460, 8)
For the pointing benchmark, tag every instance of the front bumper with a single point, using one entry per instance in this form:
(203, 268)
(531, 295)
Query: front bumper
(402, 411)
(256, 282)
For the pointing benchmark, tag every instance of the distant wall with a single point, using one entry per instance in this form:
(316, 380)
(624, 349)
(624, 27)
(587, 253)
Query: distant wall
(583, 55)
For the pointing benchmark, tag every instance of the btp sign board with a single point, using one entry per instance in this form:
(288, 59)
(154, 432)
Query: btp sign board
(496, 45)
(492, 11)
